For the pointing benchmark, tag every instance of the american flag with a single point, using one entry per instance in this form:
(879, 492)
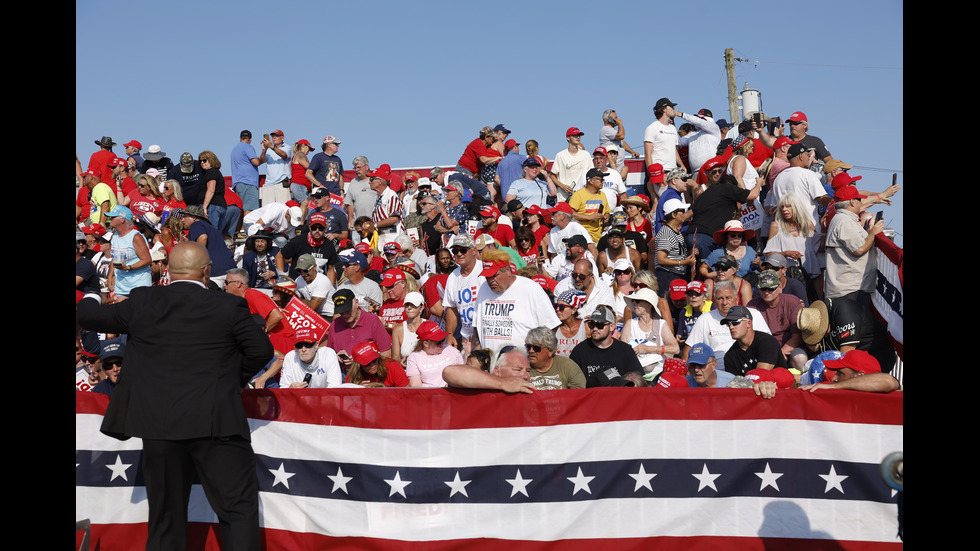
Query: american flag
(575, 469)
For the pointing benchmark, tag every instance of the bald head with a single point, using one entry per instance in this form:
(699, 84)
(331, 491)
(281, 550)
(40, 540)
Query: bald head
(188, 260)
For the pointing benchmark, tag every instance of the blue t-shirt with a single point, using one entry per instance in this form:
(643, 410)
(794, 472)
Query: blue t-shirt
(242, 169)
(509, 169)
(724, 378)
(328, 170)
(744, 265)
(221, 258)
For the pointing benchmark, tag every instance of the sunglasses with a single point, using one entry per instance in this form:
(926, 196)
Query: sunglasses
(300, 345)
(533, 347)
(621, 272)
(597, 324)
(109, 364)
(731, 322)
(580, 276)
(459, 250)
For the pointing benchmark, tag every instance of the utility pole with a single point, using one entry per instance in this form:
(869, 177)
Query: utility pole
(732, 88)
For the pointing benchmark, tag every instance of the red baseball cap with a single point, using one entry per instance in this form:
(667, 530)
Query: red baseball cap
(133, 143)
(363, 248)
(429, 331)
(678, 289)
(656, 172)
(383, 172)
(491, 268)
(797, 116)
(858, 360)
(365, 352)
(305, 142)
(574, 132)
(669, 380)
(391, 277)
(278, 133)
(511, 143)
(843, 179)
(783, 141)
(600, 151)
(847, 193)
(562, 207)
(490, 211)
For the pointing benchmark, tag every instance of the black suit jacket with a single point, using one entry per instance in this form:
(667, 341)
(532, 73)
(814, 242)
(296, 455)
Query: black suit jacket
(188, 352)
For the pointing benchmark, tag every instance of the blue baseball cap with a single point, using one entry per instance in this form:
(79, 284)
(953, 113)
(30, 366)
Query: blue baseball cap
(354, 257)
(700, 354)
(120, 210)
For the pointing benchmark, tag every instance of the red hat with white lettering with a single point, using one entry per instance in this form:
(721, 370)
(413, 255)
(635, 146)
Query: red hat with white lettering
(365, 352)
(858, 360)
(491, 268)
(573, 131)
(656, 172)
(429, 331)
(391, 277)
(797, 116)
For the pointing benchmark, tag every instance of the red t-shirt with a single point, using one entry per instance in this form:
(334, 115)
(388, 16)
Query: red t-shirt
(142, 205)
(503, 233)
(396, 375)
(99, 164)
(392, 312)
(282, 335)
(83, 201)
(471, 155)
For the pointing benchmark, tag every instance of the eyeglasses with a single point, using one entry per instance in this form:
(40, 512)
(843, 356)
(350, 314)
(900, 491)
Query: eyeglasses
(621, 272)
(639, 285)
(460, 251)
(597, 324)
(731, 322)
(301, 345)
(580, 276)
(227, 282)
(794, 123)
(766, 290)
(109, 364)
(317, 227)
(561, 307)
(534, 347)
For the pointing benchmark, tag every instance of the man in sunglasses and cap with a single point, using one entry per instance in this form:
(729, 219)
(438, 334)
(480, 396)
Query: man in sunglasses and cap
(602, 358)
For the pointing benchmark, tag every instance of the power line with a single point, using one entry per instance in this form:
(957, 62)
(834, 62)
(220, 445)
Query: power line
(757, 62)
(875, 169)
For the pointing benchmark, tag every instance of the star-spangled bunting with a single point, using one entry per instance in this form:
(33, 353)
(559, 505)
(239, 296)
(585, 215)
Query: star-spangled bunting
(119, 469)
(282, 477)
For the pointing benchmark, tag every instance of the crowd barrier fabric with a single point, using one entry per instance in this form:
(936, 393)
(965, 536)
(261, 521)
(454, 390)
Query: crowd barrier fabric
(576, 469)
(889, 298)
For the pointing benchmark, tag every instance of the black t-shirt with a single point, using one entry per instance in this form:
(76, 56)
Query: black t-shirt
(716, 206)
(764, 348)
(632, 239)
(817, 144)
(90, 278)
(299, 246)
(218, 199)
(191, 184)
(617, 360)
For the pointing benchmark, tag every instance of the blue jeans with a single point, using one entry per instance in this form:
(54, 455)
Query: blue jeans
(216, 216)
(229, 220)
(299, 192)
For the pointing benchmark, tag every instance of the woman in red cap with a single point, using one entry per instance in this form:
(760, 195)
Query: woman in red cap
(370, 369)
(431, 356)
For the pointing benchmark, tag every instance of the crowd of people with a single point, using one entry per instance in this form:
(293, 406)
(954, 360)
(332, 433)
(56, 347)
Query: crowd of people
(740, 255)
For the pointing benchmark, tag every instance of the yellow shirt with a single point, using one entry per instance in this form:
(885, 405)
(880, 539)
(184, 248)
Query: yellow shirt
(584, 201)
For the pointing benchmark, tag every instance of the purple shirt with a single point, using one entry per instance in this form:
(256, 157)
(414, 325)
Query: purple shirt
(368, 327)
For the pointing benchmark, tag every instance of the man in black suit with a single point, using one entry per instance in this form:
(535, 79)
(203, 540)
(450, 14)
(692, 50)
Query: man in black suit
(190, 352)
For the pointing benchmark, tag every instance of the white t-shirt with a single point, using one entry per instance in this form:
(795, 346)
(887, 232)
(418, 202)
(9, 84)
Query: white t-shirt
(601, 295)
(709, 330)
(320, 288)
(751, 214)
(803, 182)
(612, 186)
(505, 318)
(461, 293)
(273, 215)
(664, 139)
(556, 236)
(325, 369)
(569, 167)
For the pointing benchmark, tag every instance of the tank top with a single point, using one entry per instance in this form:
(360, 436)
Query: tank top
(566, 344)
(299, 175)
(409, 340)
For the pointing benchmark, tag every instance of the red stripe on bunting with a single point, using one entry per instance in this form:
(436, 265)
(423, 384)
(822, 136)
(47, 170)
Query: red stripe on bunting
(206, 537)
(439, 409)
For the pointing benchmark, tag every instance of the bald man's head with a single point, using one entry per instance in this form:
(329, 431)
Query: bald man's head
(188, 260)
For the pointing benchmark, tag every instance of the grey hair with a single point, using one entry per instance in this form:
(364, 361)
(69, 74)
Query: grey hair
(726, 285)
(499, 357)
(542, 336)
(606, 114)
(405, 242)
(240, 272)
(361, 159)
(841, 205)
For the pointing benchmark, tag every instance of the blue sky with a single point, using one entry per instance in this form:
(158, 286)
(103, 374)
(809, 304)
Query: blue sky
(410, 83)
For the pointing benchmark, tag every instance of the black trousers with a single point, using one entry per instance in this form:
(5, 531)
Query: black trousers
(226, 470)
